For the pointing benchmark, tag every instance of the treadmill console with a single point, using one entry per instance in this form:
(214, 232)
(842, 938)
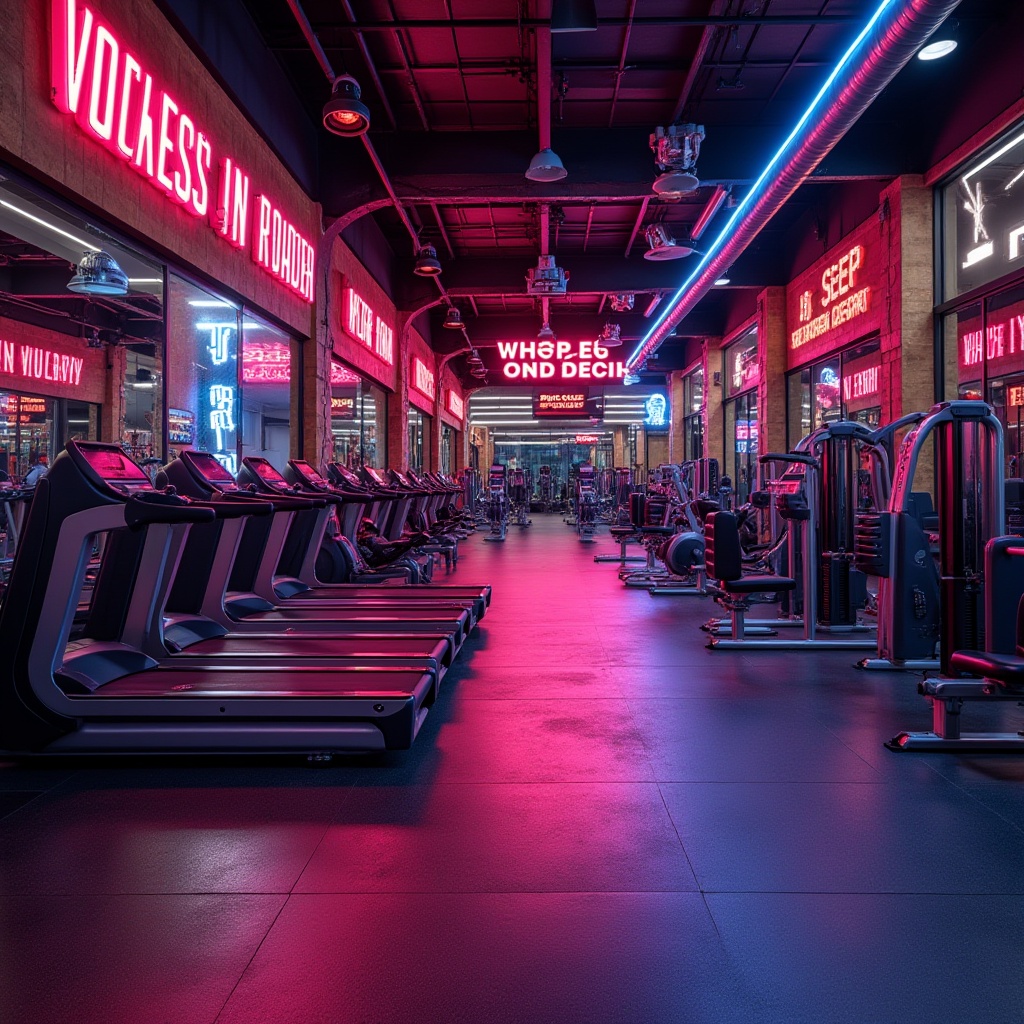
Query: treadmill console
(309, 475)
(374, 476)
(206, 466)
(111, 467)
(342, 475)
(267, 473)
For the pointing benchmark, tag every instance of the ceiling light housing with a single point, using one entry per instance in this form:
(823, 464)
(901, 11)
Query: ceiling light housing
(622, 302)
(610, 336)
(676, 150)
(723, 280)
(99, 274)
(453, 319)
(545, 333)
(573, 16)
(344, 113)
(546, 166)
(427, 264)
(937, 49)
(546, 278)
(662, 246)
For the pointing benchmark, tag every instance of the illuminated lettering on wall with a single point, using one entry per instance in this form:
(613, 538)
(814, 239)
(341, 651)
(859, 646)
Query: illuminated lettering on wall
(587, 439)
(561, 361)
(585, 403)
(422, 377)
(839, 296)
(115, 100)
(36, 363)
(456, 406)
(861, 384)
(364, 325)
(1000, 342)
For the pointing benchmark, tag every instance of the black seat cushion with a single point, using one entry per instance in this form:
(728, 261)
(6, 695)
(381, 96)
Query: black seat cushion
(661, 531)
(622, 531)
(1007, 668)
(757, 584)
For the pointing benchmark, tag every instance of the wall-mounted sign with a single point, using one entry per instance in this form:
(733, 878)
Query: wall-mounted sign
(266, 362)
(587, 438)
(456, 406)
(746, 436)
(837, 300)
(862, 381)
(656, 416)
(554, 362)
(366, 326)
(216, 425)
(341, 375)
(181, 426)
(1015, 395)
(423, 378)
(36, 363)
(115, 99)
(583, 403)
(985, 209)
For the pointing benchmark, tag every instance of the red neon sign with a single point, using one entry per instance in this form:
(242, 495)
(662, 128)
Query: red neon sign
(455, 405)
(1015, 395)
(587, 439)
(558, 361)
(423, 377)
(97, 80)
(861, 384)
(270, 362)
(839, 297)
(363, 324)
(37, 363)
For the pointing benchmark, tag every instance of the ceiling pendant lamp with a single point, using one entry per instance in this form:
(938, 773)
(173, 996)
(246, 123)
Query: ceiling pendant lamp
(610, 336)
(662, 246)
(427, 264)
(546, 166)
(99, 274)
(453, 319)
(545, 333)
(344, 113)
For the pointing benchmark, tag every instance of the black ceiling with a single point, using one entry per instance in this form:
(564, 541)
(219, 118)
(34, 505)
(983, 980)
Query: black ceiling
(452, 87)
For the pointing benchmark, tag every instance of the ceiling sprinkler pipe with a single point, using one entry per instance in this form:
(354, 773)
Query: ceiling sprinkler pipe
(895, 32)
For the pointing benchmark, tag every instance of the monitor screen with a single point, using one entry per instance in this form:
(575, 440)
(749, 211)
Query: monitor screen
(307, 472)
(374, 474)
(267, 472)
(212, 470)
(113, 464)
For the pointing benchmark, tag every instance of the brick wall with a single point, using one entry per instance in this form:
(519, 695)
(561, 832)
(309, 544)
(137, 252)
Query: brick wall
(41, 140)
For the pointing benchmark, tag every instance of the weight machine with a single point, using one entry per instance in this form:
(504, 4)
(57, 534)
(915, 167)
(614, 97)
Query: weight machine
(497, 502)
(519, 491)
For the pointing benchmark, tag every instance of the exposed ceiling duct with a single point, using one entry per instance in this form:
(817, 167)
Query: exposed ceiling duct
(889, 40)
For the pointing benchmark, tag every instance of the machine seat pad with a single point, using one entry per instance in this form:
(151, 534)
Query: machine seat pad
(658, 531)
(1007, 668)
(622, 531)
(757, 584)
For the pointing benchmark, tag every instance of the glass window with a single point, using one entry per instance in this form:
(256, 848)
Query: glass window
(266, 392)
(448, 435)
(741, 364)
(983, 217)
(693, 415)
(141, 430)
(359, 419)
(419, 440)
(799, 405)
(202, 379)
(741, 414)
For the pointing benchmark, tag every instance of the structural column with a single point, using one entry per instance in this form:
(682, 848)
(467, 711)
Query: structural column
(771, 370)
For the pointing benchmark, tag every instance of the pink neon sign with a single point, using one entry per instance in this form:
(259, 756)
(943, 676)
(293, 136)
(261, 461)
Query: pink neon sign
(422, 377)
(36, 363)
(270, 362)
(455, 405)
(363, 324)
(115, 100)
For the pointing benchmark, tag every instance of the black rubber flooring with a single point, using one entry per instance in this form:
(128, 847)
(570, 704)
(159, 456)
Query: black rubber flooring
(601, 822)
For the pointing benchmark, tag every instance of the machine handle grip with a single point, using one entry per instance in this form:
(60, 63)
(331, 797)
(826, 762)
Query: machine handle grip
(794, 457)
(237, 509)
(157, 507)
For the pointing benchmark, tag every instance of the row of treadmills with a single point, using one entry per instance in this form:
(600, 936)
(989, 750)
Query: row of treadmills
(195, 617)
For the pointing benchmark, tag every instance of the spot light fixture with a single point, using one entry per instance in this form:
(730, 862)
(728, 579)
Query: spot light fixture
(427, 264)
(453, 319)
(344, 113)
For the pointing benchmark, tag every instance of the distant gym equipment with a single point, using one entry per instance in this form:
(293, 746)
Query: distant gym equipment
(497, 502)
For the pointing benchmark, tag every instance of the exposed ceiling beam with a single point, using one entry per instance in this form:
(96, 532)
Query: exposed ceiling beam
(652, 21)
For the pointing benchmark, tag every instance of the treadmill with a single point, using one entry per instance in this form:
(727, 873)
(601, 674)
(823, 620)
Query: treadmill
(228, 577)
(101, 696)
(312, 484)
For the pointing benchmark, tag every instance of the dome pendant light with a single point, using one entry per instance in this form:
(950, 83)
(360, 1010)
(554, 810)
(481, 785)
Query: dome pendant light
(546, 166)
(427, 264)
(453, 319)
(99, 274)
(344, 113)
